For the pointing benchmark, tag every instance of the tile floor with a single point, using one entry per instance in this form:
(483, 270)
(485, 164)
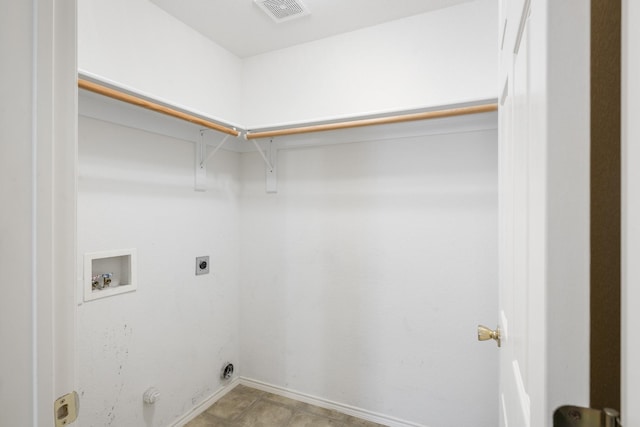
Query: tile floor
(247, 407)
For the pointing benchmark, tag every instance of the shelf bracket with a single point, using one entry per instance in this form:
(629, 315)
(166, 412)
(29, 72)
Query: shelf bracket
(215, 150)
(202, 158)
(271, 179)
(200, 167)
(270, 159)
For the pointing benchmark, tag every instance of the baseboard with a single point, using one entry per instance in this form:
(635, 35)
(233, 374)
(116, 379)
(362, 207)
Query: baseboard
(324, 403)
(202, 406)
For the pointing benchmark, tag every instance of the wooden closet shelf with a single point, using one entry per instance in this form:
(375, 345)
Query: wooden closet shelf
(140, 102)
(399, 118)
(436, 114)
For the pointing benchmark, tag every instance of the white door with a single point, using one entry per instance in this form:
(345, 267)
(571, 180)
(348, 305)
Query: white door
(515, 219)
(544, 209)
(630, 212)
(37, 219)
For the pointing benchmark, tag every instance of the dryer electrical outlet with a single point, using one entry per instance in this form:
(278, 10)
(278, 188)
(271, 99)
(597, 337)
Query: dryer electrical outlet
(202, 265)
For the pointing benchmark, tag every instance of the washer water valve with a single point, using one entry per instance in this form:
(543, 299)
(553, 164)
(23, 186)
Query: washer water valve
(107, 279)
(101, 281)
(151, 395)
(95, 282)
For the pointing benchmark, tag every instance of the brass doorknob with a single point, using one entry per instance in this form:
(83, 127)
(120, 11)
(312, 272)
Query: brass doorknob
(485, 334)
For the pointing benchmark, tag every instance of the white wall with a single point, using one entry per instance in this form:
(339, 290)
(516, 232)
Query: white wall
(364, 278)
(136, 44)
(176, 330)
(437, 58)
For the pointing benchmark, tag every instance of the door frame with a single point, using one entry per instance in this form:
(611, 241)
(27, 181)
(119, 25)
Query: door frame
(60, 215)
(630, 212)
(39, 106)
(56, 94)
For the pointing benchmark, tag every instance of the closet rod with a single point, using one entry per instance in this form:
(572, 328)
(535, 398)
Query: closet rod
(438, 114)
(125, 97)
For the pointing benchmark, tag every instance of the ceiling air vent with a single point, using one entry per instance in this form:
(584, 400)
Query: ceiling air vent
(283, 10)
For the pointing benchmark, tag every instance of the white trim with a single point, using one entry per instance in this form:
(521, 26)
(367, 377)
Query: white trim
(34, 212)
(328, 404)
(202, 406)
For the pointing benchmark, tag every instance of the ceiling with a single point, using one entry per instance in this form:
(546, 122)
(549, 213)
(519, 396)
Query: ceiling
(245, 30)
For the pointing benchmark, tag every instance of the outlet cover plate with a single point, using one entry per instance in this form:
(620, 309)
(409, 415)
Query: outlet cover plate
(202, 265)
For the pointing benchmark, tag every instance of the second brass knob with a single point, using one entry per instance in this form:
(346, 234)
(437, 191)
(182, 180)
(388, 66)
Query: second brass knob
(485, 334)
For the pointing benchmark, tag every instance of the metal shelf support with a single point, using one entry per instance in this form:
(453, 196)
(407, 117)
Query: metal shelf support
(270, 159)
(202, 158)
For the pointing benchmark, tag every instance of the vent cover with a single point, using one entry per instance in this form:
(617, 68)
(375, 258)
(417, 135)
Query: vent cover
(283, 10)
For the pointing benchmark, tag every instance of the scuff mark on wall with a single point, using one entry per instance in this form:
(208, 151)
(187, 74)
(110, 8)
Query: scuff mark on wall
(199, 396)
(110, 354)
